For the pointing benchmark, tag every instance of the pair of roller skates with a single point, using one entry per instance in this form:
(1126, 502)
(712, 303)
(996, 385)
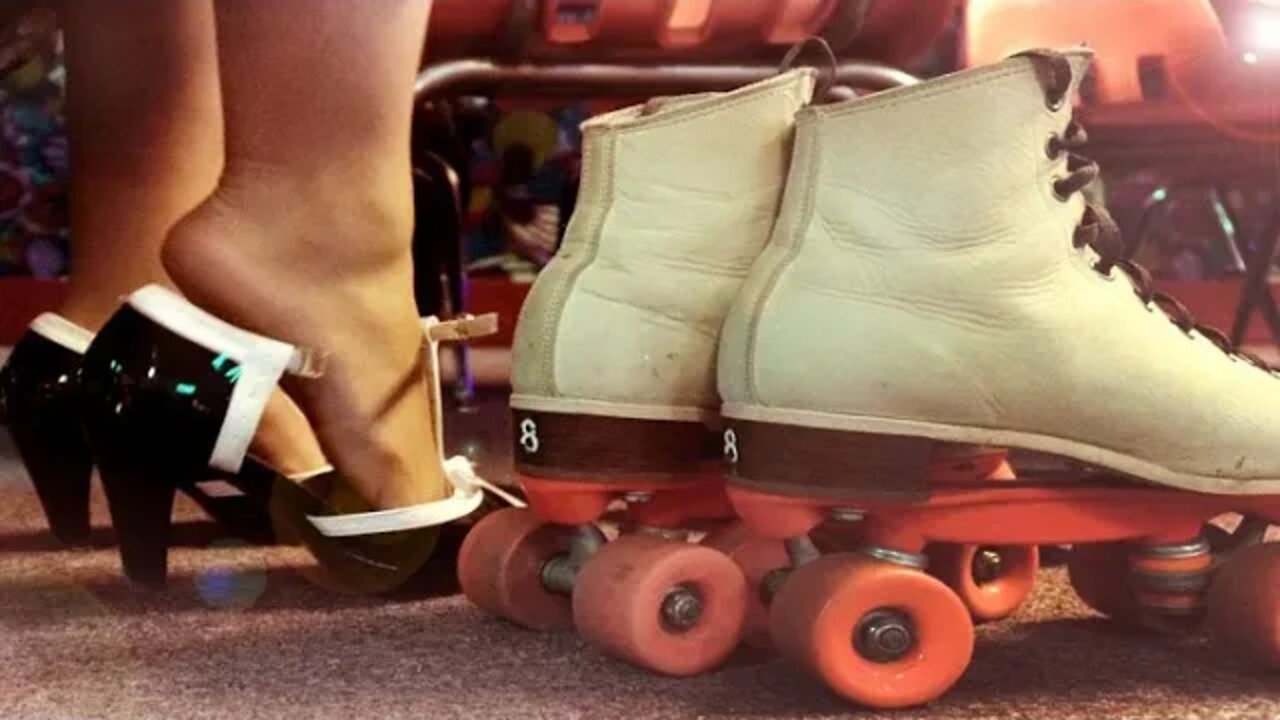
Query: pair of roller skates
(854, 308)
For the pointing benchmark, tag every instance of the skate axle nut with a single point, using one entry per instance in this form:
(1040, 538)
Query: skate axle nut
(988, 566)
(681, 609)
(559, 574)
(884, 635)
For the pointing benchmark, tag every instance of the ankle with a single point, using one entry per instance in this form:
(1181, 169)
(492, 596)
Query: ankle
(325, 264)
(90, 304)
(347, 227)
(90, 313)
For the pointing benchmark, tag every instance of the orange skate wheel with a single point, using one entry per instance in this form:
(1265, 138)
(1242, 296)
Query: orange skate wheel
(993, 581)
(758, 558)
(1244, 605)
(881, 635)
(672, 607)
(1100, 576)
(500, 569)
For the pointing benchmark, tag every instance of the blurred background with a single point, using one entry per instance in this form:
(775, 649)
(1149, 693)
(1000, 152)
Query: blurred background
(1181, 109)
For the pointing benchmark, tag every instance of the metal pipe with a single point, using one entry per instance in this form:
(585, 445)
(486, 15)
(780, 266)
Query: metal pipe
(479, 76)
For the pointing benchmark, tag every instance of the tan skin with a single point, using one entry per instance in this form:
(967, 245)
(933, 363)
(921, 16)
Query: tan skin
(303, 233)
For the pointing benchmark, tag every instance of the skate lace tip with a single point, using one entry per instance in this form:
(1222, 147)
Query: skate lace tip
(308, 363)
(463, 327)
(463, 477)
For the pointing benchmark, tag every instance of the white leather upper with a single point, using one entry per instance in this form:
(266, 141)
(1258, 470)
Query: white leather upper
(678, 197)
(922, 280)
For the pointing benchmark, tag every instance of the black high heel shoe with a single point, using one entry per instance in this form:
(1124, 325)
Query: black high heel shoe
(170, 391)
(38, 402)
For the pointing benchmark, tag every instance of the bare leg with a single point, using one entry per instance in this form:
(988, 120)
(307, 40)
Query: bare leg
(144, 121)
(307, 237)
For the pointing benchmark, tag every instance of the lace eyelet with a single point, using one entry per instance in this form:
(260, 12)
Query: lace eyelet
(1055, 103)
(1058, 193)
(1148, 304)
(1053, 147)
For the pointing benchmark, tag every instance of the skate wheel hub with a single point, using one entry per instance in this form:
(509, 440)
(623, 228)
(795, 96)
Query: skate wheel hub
(884, 636)
(681, 609)
(558, 574)
(988, 566)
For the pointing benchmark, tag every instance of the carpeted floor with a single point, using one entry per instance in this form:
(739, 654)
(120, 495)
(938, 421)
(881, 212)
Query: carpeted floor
(241, 634)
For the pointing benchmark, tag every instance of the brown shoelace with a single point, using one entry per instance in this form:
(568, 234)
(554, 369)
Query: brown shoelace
(1097, 230)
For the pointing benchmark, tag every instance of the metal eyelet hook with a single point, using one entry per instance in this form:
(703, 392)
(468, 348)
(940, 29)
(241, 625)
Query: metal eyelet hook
(825, 80)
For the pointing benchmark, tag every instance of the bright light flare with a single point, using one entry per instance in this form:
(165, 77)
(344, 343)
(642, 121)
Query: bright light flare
(1264, 30)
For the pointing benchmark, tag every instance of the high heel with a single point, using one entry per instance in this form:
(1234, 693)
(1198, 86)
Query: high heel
(40, 393)
(140, 498)
(38, 403)
(170, 391)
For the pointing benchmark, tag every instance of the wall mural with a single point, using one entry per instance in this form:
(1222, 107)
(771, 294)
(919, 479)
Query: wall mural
(33, 169)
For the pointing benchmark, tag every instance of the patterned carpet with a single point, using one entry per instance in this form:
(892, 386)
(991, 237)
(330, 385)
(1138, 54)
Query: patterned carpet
(241, 634)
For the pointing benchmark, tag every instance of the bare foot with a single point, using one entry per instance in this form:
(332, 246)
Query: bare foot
(326, 266)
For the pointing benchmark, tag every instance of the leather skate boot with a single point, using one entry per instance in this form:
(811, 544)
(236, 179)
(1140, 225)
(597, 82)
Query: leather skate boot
(937, 276)
(614, 353)
(614, 384)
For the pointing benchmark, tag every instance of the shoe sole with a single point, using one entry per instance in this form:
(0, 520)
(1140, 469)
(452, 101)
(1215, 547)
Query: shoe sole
(853, 454)
(612, 443)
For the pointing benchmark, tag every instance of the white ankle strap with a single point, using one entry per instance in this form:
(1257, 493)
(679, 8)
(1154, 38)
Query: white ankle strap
(263, 360)
(467, 486)
(468, 493)
(260, 363)
(62, 331)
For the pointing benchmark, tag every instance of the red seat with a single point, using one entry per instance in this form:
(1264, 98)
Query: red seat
(895, 31)
(1128, 37)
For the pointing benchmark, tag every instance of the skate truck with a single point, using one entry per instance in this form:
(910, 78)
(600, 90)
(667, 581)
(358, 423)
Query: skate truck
(888, 622)
(867, 403)
(1027, 327)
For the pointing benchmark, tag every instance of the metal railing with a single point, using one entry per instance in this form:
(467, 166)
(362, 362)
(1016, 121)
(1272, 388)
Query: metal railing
(487, 77)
